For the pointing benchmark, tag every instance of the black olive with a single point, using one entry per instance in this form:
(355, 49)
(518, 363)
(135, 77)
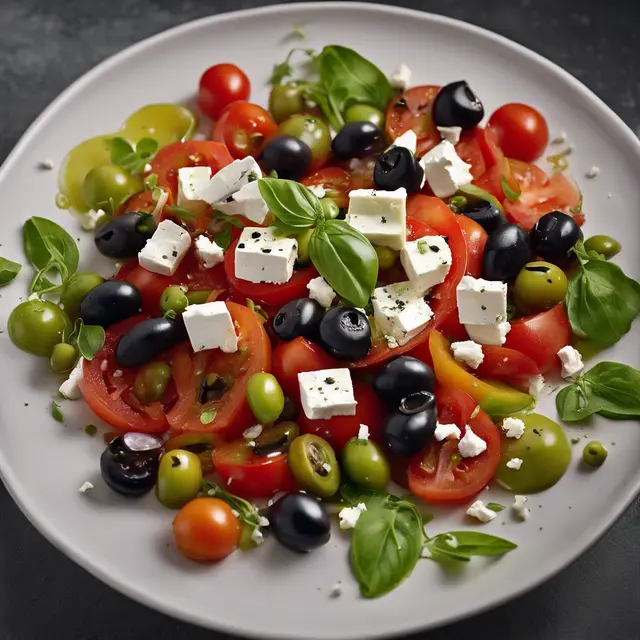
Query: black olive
(299, 317)
(125, 236)
(356, 140)
(456, 105)
(487, 215)
(289, 157)
(411, 427)
(299, 522)
(129, 464)
(345, 333)
(149, 339)
(506, 252)
(553, 236)
(110, 302)
(402, 376)
(396, 168)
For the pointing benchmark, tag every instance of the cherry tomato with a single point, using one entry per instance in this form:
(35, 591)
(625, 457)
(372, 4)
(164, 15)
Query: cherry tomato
(439, 474)
(470, 151)
(221, 85)
(206, 530)
(522, 131)
(507, 365)
(243, 127)
(332, 179)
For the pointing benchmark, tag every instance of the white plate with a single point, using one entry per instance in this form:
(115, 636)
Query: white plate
(271, 592)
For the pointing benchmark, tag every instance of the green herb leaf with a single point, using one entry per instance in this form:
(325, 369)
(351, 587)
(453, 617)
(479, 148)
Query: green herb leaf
(8, 271)
(512, 195)
(223, 239)
(90, 340)
(463, 545)
(232, 220)
(151, 182)
(179, 212)
(130, 159)
(495, 506)
(353, 495)
(120, 150)
(146, 148)
(292, 203)
(480, 194)
(208, 416)
(346, 260)
(91, 430)
(56, 412)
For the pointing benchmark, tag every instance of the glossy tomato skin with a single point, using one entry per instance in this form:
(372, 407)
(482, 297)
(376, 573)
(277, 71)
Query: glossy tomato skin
(470, 151)
(521, 130)
(475, 238)
(507, 365)
(221, 85)
(333, 179)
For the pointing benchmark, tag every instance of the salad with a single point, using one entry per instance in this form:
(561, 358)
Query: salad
(344, 304)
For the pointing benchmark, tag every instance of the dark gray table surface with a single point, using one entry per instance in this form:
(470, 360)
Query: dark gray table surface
(44, 46)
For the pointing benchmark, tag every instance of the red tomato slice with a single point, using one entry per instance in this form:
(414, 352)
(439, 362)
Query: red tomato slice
(340, 429)
(332, 179)
(487, 139)
(529, 178)
(231, 411)
(144, 202)
(438, 474)
(110, 397)
(470, 151)
(507, 365)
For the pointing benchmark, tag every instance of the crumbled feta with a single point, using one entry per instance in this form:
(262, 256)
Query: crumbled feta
(471, 445)
(46, 165)
(593, 172)
(265, 255)
(147, 168)
(87, 486)
(91, 218)
(445, 430)
(165, 250)
(252, 432)
(257, 537)
(104, 365)
(263, 522)
(571, 360)
(320, 290)
(401, 77)
(70, 388)
(444, 170)
(426, 261)
(515, 463)
(408, 140)
(349, 516)
(247, 202)
(318, 191)
(363, 432)
(513, 428)
(520, 508)
(209, 254)
(190, 181)
(536, 384)
(468, 352)
(489, 334)
(336, 590)
(450, 134)
(118, 373)
(210, 326)
(481, 301)
(327, 393)
(479, 511)
(230, 179)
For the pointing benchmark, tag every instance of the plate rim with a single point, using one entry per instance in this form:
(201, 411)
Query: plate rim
(57, 538)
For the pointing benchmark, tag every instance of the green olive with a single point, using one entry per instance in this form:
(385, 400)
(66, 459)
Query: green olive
(174, 298)
(364, 462)
(594, 453)
(276, 438)
(151, 382)
(109, 182)
(202, 444)
(303, 246)
(76, 288)
(179, 478)
(63, 358)
(312, 131)
(313, 464)
(198, 297)
(329, 208)
(364, 113)
(37, 326)
(538, 287)
(286, 100)
(386, 257)
(265, 397)
(604, 245)
(545, 453)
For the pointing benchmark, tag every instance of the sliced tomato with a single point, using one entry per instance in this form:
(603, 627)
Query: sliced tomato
(487, 139)
(142, 201)
(249, 475)
(230, 415)
(413, 111)
(110, 396)
(470, 151)
(361, 171)
(522, 176)
(439, 474)
(340, 429)
(475, 238)
(507, 365)
(333, 179)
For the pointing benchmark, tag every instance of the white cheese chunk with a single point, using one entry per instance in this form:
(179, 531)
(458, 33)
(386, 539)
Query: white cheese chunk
(252, 432)
(445, 430)
(426, 261)
(468, 352)
(165, 250)
(209, 254)
(381, 216)
(479, 511)
(320, 290)
(70, 388)
(400, 311)
(327, 393)
(86, 486)
(513, 427)
(265, 255)
(471, 445)
(536, 384)
(363, 432)
(481, 301)
(520, 507)
(515, 463)
(571, 360)
(229, 180)
(401, 77)
(489, 334)
(444, 170)
(450, 134)
(91, 218)
(210, 326)
(247, 202)
(408, 140)
(349, 515)
(190, 181)
(318, 191)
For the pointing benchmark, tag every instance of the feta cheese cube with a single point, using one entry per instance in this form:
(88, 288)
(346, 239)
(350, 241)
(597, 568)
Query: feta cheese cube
(426, 261)
(349, 516)
(536, 384)
(229, 180)
(520, 507)
(445, 430)
(247, 202)
(489, 334)
(401, 77)
(70, 388)
(381, 216)
(450, 134)
(400, 311)
(513, 428)
(190, 181)
(471, 445)
(210, 326)
(408, 140)
(265, 255)
(209, 254)
(515, 463)
(164, 251)
(468, 352)
(363, 432)
(482, 513)
(320, 290)
(91, 218)
(318, 191)
(444, 170)
(481, 301)
(252, 432)
(327, 393)
(571, 360)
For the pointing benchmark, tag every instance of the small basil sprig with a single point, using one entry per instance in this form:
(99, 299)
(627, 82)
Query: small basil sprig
(8, 271)
(610, 389)
(512, 194)
(480, 194)
(342, 255)
(180, 212)
(461, 546)
(129, 158)
(90, 340)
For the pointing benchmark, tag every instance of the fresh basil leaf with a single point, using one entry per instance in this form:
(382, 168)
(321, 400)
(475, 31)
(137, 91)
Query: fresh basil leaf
(512, 195)
(179, 212)
(481, 194)
(468, 544)
(353, 495)
(208, 416)
(247, 513)
(120, 150)
(232, 220)
(8, 271)
(284, 70)
(56, 412)
(223, 239)
(575, 402)
(146, 148)
(291, 202)
(495, 506)
(385, 547)
(90, 340)
(346, 260)
(151, 182)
